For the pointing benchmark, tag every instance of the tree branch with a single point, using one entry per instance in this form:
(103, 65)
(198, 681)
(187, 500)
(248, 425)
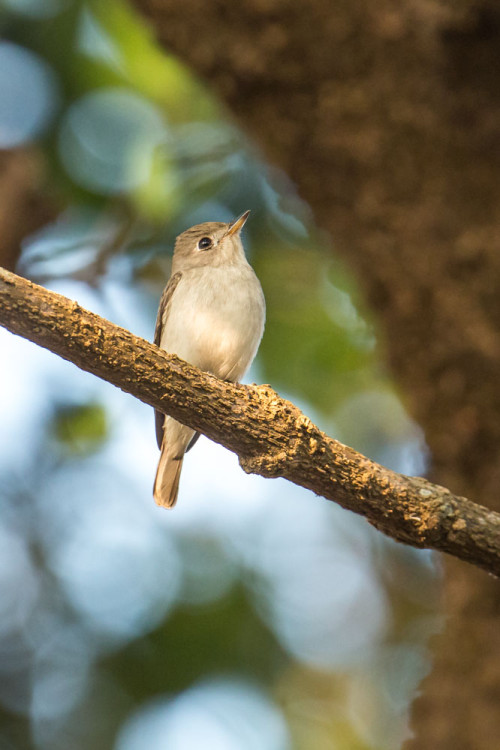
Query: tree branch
(271, 436)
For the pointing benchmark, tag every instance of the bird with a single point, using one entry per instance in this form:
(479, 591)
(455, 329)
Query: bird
(212, 315)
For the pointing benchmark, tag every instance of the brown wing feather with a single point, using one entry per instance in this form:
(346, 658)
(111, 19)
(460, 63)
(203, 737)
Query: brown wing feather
(160, 322)
(165, 300)
(161, 318)
(159, 419)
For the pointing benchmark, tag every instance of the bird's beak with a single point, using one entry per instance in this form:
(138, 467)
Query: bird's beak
(237, 225)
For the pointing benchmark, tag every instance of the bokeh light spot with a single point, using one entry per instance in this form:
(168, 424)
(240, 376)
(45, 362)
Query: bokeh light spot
(108, 140)
(220, 715)
(36, 8)
(28, 95)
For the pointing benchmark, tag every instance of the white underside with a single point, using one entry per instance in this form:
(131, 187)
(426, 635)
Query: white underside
(215, 322)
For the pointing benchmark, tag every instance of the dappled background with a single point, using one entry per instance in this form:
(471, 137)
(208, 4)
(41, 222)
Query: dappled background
(254, 616)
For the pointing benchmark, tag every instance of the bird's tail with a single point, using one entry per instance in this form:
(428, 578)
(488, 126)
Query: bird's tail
(166, 484)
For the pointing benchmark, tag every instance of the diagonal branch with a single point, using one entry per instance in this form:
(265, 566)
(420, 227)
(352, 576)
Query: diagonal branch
(271, 436)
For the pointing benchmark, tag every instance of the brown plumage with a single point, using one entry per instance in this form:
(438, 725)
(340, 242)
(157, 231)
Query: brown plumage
(168, 474)
(212, 315)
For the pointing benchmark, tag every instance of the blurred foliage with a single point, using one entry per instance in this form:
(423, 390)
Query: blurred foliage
(80, 429)
(316, 345)
(118, 622)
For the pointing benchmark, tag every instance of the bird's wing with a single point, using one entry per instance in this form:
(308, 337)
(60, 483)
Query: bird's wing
(161, 318)
(159, 420)
(166, 299)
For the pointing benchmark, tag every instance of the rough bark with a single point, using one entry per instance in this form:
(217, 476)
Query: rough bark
(387, 117)
(270, 435)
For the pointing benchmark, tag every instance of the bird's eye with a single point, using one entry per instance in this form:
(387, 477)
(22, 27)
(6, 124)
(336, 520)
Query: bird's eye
(205, 243)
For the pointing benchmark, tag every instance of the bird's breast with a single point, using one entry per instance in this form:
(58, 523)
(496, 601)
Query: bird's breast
(216, 320)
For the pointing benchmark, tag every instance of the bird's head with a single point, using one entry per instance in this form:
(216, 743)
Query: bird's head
(213, 243)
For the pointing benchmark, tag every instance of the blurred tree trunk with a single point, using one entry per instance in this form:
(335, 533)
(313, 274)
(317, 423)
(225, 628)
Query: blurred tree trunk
(23, 206)
(387, 116)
